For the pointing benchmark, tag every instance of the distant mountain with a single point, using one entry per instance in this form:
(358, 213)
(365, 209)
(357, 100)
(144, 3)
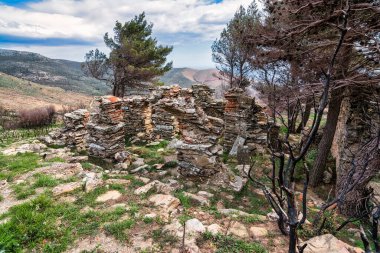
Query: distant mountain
(69, 76)
(185, 77)
(43, 70)
(17, 94)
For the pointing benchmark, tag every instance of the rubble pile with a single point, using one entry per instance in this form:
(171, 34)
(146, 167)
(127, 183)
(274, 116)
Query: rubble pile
(138, 116)
(74, 132)
(107, 129)
(244, 121)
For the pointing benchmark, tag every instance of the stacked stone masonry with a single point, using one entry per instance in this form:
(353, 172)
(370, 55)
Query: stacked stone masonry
(75, 133)
(192, 114)
(245, 119)
(107, 129)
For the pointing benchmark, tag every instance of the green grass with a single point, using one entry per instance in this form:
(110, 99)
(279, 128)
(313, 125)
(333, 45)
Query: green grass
(229, 244)
(44, 225)
(185, 201)
(56, 160)
(164, 238)
(148, 220)
(87, 166)
(43, 180)
(23, 190)
(257, 203)
(151, 154)
(14, 165)
(119, 229)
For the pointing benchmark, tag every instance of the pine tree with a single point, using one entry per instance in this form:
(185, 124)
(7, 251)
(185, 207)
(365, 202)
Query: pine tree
(135, 57)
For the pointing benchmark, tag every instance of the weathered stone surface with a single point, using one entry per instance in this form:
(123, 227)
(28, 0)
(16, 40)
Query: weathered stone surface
(328, 244)
(194, 226)
(245, 119)
(66, 188)
(200, 200)
(214, 229)
(57, 170)
(166, 202)
(157, 186)
(205, 194)
(238, 229)
(74, 131)
(92, 180)
(239, 142)
(258, 232)
(238, 183)
(110, 195)
(25, 148)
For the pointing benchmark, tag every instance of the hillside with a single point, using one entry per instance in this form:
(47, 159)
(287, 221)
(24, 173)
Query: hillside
(185, 77)
(69, 76)
(16, 94)
(59, 73)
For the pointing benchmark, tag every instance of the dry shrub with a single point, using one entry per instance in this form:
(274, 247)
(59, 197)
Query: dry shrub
(37, 117)
(71, 108)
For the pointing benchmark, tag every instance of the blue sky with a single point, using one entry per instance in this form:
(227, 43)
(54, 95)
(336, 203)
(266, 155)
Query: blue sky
(67, 29)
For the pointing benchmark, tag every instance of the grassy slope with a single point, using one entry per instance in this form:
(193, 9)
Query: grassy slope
(17, 94)
(59, 73)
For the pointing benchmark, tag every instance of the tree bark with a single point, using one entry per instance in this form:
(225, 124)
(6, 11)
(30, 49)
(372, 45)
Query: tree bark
(366, 166)
(306, 115)
(325, 144)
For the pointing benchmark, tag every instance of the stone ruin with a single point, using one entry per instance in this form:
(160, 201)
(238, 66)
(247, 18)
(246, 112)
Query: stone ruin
(246, 126)
(106, 129)
(193, 115)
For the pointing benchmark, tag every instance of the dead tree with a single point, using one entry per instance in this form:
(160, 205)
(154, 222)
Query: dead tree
(282, 193)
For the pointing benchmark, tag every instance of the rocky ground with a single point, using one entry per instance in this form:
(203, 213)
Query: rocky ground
(53, 199)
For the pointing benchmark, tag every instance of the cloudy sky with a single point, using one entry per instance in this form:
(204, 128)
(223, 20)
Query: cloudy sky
(67, 29)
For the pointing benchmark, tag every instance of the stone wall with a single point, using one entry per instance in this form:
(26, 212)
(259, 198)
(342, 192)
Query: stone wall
(193, 115)
(245, 119)
(138, 115)
(107, 129)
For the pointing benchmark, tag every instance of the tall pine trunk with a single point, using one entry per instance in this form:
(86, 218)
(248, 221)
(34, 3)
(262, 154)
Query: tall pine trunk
(325, 144)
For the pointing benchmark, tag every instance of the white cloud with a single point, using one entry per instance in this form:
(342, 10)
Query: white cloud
(92, 18)
(201, 20)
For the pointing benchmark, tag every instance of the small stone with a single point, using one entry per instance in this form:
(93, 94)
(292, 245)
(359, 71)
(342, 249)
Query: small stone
(118, 181)
(239, 230)
(272, 216)
(238, 183)
(166, 202)
(157, 185)
(150, 216)
(214, 229)
(143, 179)
(66, 188)
(139, 168)
(200, 200)
(155, 143)
(138, 162)
(205, 194)
(110, 195)
(258, 232)
(194, 226)
(92, 181)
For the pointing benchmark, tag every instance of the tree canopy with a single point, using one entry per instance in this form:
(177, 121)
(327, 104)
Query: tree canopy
(135, 57)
